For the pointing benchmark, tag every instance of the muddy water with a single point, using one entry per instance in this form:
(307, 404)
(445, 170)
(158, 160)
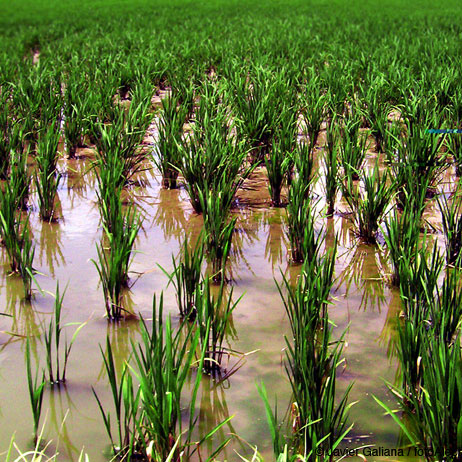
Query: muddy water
(362, 303)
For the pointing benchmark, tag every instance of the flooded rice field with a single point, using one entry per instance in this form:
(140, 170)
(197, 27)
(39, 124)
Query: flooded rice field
(363, 303)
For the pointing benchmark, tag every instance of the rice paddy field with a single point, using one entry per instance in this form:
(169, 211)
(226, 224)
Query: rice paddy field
(230, 230)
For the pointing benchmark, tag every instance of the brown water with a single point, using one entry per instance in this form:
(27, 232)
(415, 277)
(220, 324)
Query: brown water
(363, 303)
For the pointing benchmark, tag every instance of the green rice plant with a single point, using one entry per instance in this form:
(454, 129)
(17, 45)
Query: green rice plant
(19, 177)
(213, 317)
(447, 308)
(186, 277)
(331, 163)
(377, 110)
(418, 288)
(353, 148)
(432, 414)
(418, 154)
(212, 158)
(151, 418)
(26, 260)
(277, 167)
(16, 238)
(313, 108)
(402, 233)
(114, 262)
(259, 100)
(36, 388)
(304, 244)
(312, 361)
(52, 337)
(170, 128)
(303, 161)
(451, 218)
(47, 177)
(126, 403)
(118, 143)
(218, 230)
(369, 207)
(76, 107)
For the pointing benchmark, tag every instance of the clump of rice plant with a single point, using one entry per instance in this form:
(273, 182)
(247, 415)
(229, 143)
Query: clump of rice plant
(369, 207)
(118, 143)
(187, 276)
(170, 128)
(47, 177)
(402, 234)
(277, 166)
(304, 241)
(313, 108)
(218, 230)
(114, 260)
(312, 362)
(16, 238)
(212, 158)
(377, 110)
(151, 418)
(55, 365)
(19, 177)
(259, 100)
(36, 387)
(331, 163)
(353, 147)
(213, 316)
(451, 214)
(76, 109)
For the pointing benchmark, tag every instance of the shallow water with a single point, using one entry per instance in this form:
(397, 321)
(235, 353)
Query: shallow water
(363, 304)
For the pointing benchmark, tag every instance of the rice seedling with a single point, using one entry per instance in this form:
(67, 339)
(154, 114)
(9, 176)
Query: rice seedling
(377, 108)
(218, 230)
(371, 207)
(16, 238)
(186, 277)
(259, 101)
(332, 167)
(113, 263)
(451, 214)
(277, 167)
(47, 177)
(304, 241)
(312, 363)
(19, 177)
(150, 420)
(402, 233)
(418, 153)
(213, 316)
(212, 159)
(313, 108)
(118, 143)
(52, 336)
(353, 148)
(433, 412)
(170, 127)
(76, 109)
(36, 388)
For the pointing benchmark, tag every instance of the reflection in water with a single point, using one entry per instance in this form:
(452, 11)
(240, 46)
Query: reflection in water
(50, 247)
(170, 215)
(120, 336)
(364, 271)
(276, 244)
(389, 335)
(60, 405)
(213, 411)
(24, 319)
